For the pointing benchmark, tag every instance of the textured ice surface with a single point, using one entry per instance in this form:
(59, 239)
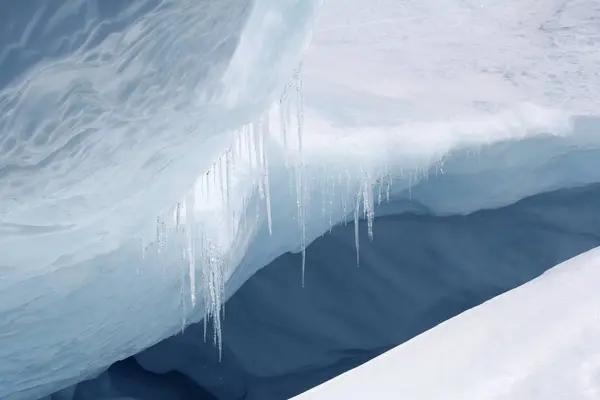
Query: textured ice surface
(110, 112)
(539, 341)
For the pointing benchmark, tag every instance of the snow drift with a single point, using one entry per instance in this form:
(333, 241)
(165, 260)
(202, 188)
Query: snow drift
(538, 341)
(114, 116)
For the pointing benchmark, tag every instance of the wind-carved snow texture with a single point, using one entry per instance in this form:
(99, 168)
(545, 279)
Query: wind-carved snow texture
(426, 60)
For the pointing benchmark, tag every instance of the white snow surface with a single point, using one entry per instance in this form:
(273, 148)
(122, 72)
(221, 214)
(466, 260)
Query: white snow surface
(539, 341)
(456, 106)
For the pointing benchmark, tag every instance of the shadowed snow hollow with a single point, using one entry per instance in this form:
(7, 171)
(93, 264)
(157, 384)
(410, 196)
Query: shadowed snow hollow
(539, 341)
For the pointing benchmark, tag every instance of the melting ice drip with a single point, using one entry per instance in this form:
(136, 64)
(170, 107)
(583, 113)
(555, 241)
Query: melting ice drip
(209, 225)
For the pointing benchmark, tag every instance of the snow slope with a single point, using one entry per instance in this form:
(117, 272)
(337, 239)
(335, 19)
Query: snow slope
(106, 129)
(539, 341)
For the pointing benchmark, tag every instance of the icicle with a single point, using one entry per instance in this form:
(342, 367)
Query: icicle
(205, 320)
(221, 180)
(301, 216)
(356, 241)
(300, 108)
(388, 188)
(440, 165)
(229, 157)
(177, 216)
(265, 175)
(368, 205)
(331, 194)
(248, 135)
(283, 103)
(182, 293)
(344, 201)
(207, 183)
(301, 194)
(189, 216)
(195, 243)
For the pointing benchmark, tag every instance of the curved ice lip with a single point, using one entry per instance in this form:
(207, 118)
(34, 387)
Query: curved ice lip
(461, 179)
(103, 107)
(122, 309)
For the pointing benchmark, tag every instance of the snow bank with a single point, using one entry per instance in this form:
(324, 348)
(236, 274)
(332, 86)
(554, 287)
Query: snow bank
(537, 341)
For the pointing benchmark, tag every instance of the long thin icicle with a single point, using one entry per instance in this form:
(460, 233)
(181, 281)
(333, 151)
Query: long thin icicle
(300, 179)
(356, 239)
(265, 176)
(191, 253)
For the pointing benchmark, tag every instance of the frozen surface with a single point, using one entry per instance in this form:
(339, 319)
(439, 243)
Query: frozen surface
(281, 339)
(110, 113)
(110, 110)
(539, 341)
(430, 60)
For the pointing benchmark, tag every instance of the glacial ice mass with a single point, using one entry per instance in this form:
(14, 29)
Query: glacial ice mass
(155, 154)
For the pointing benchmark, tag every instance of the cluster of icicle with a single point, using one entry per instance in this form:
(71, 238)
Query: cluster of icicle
(202, 253)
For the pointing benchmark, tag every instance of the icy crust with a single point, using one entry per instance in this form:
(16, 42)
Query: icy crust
(255, 204)
(104, 106)
(537, 341)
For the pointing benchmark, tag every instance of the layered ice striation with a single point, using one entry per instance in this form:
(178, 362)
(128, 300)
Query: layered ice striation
(153, 158)
(109, 113)
(106, 105)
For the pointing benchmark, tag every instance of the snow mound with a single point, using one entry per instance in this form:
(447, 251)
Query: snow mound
(535, 342)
